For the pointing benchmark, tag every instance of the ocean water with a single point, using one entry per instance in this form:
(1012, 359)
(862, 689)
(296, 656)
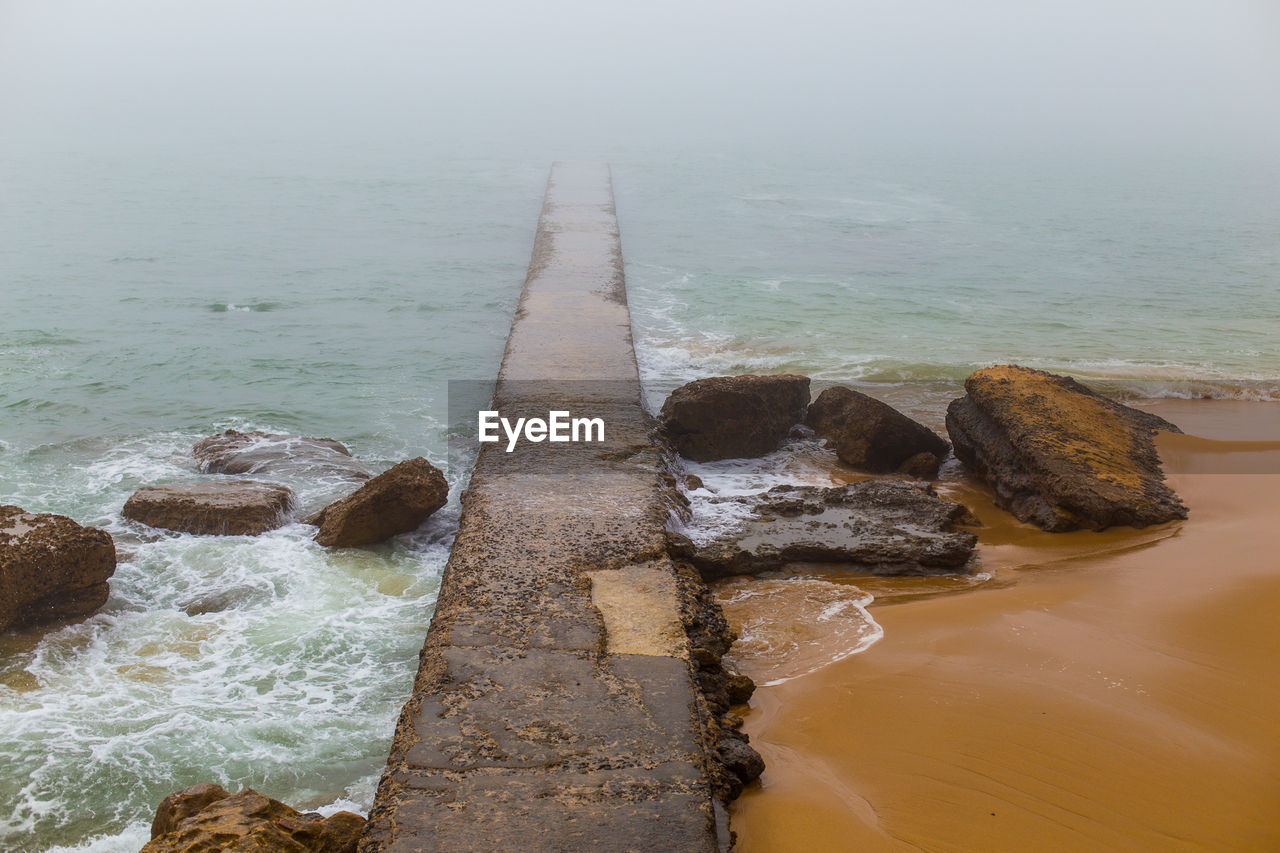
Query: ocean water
(146, 302)
(1146, 277)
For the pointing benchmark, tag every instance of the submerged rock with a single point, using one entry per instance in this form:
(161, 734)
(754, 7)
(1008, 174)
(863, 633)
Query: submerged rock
(728, 417)
(219, 507)
(1058, 455)
(256, 452)
(51, 567)
(207, 818)
(879, 527)
(873, 436)
(395, 501)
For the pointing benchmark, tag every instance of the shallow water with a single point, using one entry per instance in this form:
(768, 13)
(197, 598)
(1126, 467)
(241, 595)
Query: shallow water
(1108, 690)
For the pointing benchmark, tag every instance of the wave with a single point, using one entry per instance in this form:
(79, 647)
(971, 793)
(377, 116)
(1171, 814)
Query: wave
(254, 307)
(265, 661)
(825, 623)
(667, 363)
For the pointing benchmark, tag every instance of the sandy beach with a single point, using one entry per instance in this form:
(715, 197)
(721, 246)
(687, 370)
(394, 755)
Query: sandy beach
(1113, 690)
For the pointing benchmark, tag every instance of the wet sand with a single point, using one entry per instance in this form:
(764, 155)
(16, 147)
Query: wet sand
(1116, 690)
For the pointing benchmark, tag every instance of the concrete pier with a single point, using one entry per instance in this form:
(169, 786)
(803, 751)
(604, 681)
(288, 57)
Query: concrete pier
(557, 706)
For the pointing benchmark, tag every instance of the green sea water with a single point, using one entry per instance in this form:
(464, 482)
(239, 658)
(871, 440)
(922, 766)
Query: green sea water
(1148, 277)
(148, 302)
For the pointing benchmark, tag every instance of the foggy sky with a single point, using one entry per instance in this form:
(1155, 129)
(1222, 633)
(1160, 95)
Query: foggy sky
(574, 76)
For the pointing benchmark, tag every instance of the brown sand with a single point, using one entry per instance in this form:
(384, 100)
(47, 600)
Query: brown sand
(1103, 691)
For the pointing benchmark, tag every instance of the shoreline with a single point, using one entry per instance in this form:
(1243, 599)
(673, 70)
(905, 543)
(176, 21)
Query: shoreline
(1107, 689)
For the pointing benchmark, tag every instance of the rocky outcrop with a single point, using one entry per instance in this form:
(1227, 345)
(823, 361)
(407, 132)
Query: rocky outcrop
(50, 568)
(873, 436)
(217, 507)
(728, 417)
(734, 762)
(1058, 455)
(879, 527)
(207, 818)
(256, 452)
(395, 501)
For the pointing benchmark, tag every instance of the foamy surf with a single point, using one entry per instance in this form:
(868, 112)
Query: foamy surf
(800, 462)
(824, 622)
(266, 661)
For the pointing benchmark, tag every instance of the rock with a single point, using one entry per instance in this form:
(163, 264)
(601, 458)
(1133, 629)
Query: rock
(1058, 455)
(740, 759)
(51, 567)
(217, 601)
(728, 417)
(881, 527)
(921, 466)
(180, 805)
(218, 507)
(873, 436)
(739, 687)
(206, 818)
(256, 452)
(395, 501)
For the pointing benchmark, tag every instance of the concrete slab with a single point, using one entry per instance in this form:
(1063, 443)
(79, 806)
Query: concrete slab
(557, 706)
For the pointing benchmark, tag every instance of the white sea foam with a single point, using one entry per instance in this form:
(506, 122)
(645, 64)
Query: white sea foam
(265, 661)
(795, 626)
(800, 461)
(130, 840)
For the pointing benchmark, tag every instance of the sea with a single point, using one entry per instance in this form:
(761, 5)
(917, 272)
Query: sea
(149, 301)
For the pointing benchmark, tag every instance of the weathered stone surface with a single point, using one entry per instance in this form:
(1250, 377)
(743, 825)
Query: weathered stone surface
(728, 417)
(880, 527)
(742, 761)
(873, 436)
(257, 452)
(51, 567)
(180, 805)
(1058, 455)
(205, 819)
(396, 501)
(215, 507)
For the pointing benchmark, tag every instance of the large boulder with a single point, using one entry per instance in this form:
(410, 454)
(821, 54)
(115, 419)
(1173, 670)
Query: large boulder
(215, 507)
(878, 527)
(51, 568)
(873, 436)
(395, 501)
(729, 417)
(1058, 455)
(256, 452)
(205, 818)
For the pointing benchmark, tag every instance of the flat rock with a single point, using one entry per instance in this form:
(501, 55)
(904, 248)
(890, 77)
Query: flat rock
(216, 507)
(51, 567)
(873, 436)
(256, 452)
(730, 417)
(206, 818)
(1058, 455)
(879, 527)
(395, 501)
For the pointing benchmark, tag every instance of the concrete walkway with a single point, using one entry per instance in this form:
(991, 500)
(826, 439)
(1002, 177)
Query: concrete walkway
(556, 707)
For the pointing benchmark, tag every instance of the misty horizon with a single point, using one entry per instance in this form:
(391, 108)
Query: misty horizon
(573, 79)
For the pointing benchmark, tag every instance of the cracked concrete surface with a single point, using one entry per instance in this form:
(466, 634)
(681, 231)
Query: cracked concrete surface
(556, 706)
